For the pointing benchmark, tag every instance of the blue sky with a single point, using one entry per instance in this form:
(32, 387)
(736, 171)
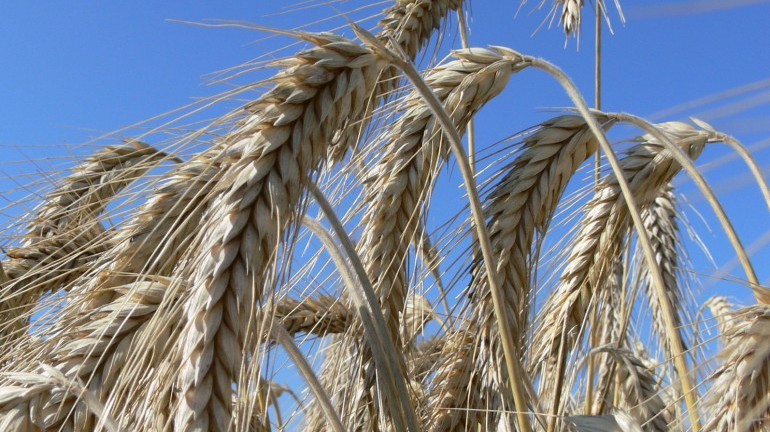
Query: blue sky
(74, 71)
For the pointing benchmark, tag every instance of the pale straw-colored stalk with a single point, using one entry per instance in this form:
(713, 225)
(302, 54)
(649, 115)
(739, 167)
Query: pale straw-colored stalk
(415, 152)
(519, 208)
(513, 362)
(647, 168)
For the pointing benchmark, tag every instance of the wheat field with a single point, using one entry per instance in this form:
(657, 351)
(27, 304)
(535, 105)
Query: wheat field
(297, 263)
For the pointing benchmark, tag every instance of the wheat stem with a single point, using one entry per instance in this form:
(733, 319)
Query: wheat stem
(644, 240)
(515, 371)
(381, 343)
(756, 171)
(761, 293)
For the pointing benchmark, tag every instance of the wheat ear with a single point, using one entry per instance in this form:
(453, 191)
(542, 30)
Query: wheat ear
(320, 316)
(95, 353)
(739, 396)
(454, 386)
(606, 330)
(639, 391)
(723, 311)
(320, 93)
(414, 154)
(661, 222)
(647, 168)
(519, 207)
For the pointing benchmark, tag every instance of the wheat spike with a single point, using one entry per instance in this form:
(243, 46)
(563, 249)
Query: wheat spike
(322, 92)
(648, 167)
(519, 208)
(661, 222)
(723, 311)
(639, 391)
(66, 233)
(739, 395)
(414, 155)
(321, 316)
(454, 386)
(606, 331)
(100, 347)
(415, 151)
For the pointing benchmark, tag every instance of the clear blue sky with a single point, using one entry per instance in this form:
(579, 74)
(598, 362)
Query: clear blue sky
(72, 71)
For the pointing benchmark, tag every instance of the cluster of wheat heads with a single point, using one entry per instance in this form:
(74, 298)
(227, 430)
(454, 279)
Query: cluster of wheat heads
(220, 304)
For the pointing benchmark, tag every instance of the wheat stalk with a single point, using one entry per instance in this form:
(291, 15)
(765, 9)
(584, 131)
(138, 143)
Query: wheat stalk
(415, 152)
(180, 318)
(647, 168)
(414, 156)
(520, 207)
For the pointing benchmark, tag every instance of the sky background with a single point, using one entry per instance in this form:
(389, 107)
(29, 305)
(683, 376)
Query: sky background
(74, 71)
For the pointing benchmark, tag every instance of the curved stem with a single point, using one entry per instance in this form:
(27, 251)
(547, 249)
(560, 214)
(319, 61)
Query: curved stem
(383, 349)
(744, 153)
(761, 294)
(462, 22)
(282, 337)
(512, 359)
(680, 361)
